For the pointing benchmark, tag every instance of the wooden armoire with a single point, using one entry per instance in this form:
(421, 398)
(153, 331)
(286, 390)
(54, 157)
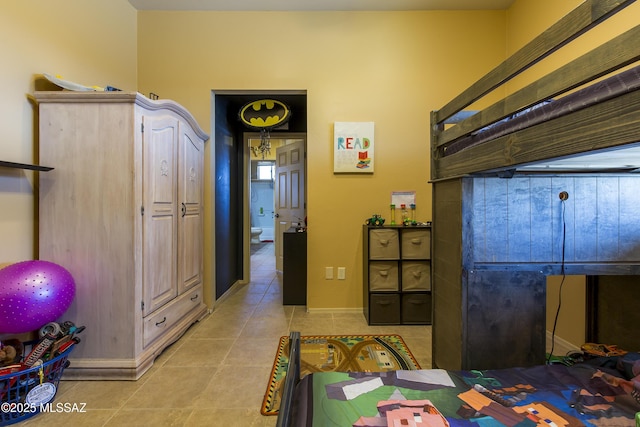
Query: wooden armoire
(122, 211)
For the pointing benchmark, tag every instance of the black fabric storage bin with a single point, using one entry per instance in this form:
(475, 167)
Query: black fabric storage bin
(416, 308)
(384, 309)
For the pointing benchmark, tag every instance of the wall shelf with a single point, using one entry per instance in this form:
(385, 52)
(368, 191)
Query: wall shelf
(14, 165)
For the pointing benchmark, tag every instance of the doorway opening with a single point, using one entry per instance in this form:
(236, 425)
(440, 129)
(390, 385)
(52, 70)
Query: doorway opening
(231, 180)
(275, 195)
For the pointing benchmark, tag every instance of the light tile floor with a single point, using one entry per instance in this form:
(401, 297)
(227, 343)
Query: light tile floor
(217, 373)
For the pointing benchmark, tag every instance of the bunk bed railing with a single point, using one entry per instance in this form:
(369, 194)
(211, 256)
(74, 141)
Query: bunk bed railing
(611, 56)
(583, 18)
(607, 58)
(601, 127)
(291, 380)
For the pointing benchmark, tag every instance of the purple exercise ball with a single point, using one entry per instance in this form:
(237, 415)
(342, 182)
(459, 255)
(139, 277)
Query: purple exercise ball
(32, 294)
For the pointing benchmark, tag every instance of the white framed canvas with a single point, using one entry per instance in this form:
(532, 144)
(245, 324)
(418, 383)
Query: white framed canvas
(353, 147)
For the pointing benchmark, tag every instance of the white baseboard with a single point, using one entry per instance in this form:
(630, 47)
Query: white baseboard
(562, 347)
(355, 310)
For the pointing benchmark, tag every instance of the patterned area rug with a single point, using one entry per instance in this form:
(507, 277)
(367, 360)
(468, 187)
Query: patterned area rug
(340, 353)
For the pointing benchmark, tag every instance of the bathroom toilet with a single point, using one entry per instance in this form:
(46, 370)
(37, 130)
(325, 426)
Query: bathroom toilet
(255, 234)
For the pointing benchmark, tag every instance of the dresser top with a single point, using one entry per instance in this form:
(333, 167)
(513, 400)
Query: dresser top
(101, 97)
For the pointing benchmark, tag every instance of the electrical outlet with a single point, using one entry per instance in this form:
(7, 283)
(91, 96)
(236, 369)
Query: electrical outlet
(342, 273)
(328, 273)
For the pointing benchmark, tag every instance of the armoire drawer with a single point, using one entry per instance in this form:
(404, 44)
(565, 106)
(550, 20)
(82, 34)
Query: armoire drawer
(416, 244)
(165, 317)
(384, 244)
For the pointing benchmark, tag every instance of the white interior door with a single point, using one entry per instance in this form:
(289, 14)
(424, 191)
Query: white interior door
(289, 197)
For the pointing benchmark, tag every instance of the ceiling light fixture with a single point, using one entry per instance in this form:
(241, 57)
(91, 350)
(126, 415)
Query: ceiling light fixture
(264, 115)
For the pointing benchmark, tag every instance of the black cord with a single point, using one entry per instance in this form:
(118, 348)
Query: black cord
(555, 322)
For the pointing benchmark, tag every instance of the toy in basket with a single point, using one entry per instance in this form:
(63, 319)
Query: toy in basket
(30, 372)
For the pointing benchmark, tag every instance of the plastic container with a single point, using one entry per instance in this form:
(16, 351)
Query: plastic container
(15, 387)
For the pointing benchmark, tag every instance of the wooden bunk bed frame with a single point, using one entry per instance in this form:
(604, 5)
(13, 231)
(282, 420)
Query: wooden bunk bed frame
(500, 223)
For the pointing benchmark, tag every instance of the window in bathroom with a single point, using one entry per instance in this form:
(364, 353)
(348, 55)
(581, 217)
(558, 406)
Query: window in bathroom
(266, 171)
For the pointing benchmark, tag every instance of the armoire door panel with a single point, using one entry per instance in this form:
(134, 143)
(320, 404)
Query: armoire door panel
(159, 264)
(160, 160)
(191, 169)
(190, 195)
(160, 209)
(190, 265)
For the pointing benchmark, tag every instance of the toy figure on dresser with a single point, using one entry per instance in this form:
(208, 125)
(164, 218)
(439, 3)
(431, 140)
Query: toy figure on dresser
(405, 215)
(406, 219)
(376, 220)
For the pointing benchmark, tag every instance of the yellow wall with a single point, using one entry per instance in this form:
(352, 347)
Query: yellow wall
(88, 41)
(388, 67)
(525, 20)
(391, 68)
(528, 18)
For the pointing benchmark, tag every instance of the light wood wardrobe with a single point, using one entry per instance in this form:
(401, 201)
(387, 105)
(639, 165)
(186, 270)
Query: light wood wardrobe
(122, 211)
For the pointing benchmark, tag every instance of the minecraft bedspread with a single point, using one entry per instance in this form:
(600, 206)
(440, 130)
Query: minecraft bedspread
(601, 392)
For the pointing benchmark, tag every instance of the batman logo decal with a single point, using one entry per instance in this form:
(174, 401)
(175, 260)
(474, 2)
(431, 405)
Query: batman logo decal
(264, 114)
